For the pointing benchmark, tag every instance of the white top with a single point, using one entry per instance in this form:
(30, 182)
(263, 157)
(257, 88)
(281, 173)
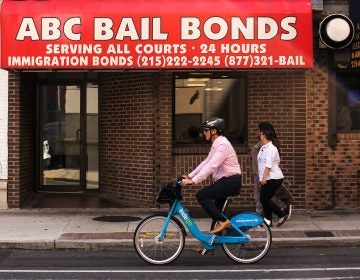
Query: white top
(268, 156)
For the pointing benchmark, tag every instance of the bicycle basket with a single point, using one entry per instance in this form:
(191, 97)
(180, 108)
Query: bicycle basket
(168, 192)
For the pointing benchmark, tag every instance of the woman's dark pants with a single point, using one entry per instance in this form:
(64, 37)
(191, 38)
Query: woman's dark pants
(267, 192)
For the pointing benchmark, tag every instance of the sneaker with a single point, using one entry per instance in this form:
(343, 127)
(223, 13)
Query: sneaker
(288, 210)
(268, 222)
(282, 220)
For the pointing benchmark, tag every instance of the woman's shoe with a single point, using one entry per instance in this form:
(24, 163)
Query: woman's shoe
(220, 226)
(288, 210)
(282, 220)
(268, 222)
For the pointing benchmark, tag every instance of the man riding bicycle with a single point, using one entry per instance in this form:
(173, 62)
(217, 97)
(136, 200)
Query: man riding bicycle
(222, 163)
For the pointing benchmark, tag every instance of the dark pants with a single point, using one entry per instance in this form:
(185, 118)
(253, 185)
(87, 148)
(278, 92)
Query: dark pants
(213, 197)
(267, 192)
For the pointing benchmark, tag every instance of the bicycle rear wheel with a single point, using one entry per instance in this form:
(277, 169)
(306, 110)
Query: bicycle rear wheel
(153, 250)
(254, 250)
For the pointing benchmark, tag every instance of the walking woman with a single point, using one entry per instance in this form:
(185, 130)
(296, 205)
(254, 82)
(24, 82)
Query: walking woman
(270, 174)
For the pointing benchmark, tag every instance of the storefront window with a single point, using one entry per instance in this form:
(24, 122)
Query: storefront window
(347, 103)
(202, 96)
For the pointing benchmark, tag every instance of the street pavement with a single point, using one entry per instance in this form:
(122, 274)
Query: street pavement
(104, 228)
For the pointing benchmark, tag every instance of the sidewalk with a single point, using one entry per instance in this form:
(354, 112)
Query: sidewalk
(77, 229)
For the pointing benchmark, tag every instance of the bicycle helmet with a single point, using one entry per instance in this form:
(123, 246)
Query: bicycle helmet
(214, 123)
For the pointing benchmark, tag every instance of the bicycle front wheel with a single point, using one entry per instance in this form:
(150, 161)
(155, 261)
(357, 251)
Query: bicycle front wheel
(151, 248)
(254, 250)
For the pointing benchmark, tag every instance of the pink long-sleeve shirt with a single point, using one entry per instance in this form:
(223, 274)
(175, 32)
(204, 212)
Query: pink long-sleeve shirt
(221, 162)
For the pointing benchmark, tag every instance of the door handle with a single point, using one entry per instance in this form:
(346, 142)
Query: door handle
(78, 135)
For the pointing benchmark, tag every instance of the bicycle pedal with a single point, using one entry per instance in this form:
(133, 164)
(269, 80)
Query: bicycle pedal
(206, 252)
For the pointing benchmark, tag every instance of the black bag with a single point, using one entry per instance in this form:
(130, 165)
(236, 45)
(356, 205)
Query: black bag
(283, 194)
(168, 192)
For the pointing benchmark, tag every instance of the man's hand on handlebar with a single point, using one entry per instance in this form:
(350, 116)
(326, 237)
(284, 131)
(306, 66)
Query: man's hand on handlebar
(186, 181)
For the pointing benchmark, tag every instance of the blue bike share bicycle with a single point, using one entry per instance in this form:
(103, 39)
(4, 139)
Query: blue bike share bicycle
(160, 238)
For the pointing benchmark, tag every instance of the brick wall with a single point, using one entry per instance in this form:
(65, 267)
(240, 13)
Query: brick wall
(127, 138)
(14, 141)
(163, 128)
(21, 138)
(332, 175)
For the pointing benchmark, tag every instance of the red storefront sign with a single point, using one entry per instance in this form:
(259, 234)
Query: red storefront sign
(152, 34)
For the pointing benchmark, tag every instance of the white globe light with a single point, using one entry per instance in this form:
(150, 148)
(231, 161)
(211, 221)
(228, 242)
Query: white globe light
(338, 29)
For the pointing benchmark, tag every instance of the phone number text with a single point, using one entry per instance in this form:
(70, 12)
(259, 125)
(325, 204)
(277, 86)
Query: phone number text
(219, 61)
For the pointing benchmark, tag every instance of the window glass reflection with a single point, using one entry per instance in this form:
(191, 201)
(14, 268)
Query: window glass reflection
(199, 97)
(347, 103)
(60, 135)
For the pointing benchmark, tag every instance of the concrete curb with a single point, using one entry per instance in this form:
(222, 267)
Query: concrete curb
(94, 244)
(126, 244)
(27, 245)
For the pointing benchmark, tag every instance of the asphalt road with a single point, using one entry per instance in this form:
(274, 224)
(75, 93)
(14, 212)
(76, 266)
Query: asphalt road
(292, 263)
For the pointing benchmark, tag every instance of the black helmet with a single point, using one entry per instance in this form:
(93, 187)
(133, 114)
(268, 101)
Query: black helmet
(214, 123)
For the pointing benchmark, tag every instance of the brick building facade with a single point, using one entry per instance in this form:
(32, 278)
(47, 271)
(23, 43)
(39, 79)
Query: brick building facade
(136, 150)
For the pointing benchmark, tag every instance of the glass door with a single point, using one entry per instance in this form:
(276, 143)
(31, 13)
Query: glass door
(68, 135)
(92, 137)
(61, 137)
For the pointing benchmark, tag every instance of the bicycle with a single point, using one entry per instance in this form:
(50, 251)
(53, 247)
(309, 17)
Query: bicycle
(160, 238)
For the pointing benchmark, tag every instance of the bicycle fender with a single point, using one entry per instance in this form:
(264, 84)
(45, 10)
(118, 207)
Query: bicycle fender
(246, 219)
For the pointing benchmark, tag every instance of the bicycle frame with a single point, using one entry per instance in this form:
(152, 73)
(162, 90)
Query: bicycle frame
(210, 241)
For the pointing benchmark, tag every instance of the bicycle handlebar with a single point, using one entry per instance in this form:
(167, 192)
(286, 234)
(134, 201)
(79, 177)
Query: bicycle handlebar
(179, 181)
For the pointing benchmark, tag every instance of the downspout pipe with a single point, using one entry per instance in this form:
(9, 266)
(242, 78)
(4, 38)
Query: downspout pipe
(332, 180)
